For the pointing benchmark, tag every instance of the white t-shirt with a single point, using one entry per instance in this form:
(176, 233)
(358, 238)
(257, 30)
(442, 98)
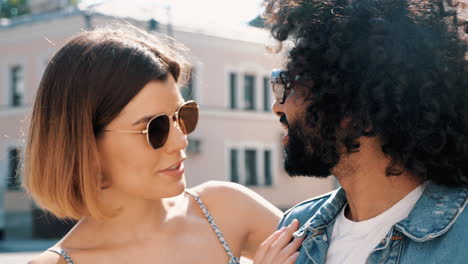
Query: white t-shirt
(352, 242)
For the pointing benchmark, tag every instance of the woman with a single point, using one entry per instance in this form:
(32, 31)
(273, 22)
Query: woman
(106, 147)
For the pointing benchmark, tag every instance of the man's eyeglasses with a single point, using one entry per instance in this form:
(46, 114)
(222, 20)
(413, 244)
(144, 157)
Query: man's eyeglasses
(157, 129)
(279, 84)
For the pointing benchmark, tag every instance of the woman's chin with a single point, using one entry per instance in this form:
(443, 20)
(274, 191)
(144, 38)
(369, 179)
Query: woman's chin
(177, 189)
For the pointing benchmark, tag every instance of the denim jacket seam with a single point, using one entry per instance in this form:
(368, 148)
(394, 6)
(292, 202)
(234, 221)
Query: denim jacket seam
(387, 243)
(306, 251)
(387, 240)
(315, 232)
(400, 250)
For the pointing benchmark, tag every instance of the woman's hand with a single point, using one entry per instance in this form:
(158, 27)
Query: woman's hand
(277, 248)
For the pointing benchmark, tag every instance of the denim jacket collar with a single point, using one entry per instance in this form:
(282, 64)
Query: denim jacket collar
(326, 214)
(433, 214)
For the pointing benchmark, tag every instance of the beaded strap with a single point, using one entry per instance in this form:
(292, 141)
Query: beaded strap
(62, 253)
(232, 259)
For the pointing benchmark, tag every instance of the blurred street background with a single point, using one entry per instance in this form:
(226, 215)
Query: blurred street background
(238, 137)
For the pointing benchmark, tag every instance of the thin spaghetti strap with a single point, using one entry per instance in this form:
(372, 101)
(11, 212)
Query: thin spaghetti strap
(62, 253)
(233, 259)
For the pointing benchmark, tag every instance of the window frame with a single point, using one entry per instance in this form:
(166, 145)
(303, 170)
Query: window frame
(259, 90)
(260, 164)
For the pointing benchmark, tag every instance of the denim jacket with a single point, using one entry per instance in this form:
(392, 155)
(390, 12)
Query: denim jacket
(435, 231)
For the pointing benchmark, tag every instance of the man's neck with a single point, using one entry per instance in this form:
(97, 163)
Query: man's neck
(367, 199)
(369, 190)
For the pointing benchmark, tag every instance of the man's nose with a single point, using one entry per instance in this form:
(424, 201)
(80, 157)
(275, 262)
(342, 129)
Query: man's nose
(278, 108)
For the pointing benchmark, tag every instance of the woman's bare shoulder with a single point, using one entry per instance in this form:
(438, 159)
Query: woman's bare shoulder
(47, 257)
(234, 196)
(234, 204)
(223, 191)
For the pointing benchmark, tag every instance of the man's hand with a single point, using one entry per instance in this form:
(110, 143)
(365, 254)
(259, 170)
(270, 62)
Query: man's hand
(277, 248)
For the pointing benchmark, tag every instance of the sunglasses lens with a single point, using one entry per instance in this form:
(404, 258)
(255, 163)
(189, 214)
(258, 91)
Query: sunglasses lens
(158, 130)
(188, 117)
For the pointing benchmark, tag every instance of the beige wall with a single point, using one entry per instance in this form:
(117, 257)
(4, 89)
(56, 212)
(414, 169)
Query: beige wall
(32, 44)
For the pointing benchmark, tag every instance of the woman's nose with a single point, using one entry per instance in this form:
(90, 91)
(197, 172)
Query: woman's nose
(176, 140)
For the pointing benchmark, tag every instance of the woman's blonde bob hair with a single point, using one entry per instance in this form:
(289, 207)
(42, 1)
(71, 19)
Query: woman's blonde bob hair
(85, 86)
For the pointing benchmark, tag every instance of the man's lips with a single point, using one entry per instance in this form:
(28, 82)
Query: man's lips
(285, 138)
(285, 125)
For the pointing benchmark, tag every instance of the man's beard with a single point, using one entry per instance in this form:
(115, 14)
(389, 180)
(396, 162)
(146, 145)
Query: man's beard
(306, 155)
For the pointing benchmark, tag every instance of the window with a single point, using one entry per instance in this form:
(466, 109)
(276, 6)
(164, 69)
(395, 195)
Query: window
(267, 167)
(233, 90)
(249, 92)
(13, 178)
(188, 91)
(153, 25)
(17, 86)
(194, 146)
(266, 95)
(234, 167)
(251, 166)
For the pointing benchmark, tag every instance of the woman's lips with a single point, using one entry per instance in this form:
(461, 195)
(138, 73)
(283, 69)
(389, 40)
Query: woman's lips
(175, 172)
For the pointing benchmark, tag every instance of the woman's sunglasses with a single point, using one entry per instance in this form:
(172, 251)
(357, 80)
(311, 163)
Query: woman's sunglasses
(279, 84)
(157, 129)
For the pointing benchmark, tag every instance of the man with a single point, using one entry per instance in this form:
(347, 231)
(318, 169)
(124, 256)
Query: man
(375, 92)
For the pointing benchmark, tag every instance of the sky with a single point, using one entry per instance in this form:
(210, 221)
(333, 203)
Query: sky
(199, 13)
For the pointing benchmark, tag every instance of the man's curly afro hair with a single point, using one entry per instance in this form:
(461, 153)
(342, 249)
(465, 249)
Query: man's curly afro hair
(395, 68)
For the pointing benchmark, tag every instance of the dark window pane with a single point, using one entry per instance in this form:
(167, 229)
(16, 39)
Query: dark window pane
(234, 166)
(17, 85)
(233, 90)
(267, 168)
(251, 167)
(249, 92)
(13, 179)
(153, 25)
(266, 95)
(194, 146)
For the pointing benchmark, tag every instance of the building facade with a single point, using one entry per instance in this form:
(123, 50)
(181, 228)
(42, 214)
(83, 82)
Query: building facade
(238, 137)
